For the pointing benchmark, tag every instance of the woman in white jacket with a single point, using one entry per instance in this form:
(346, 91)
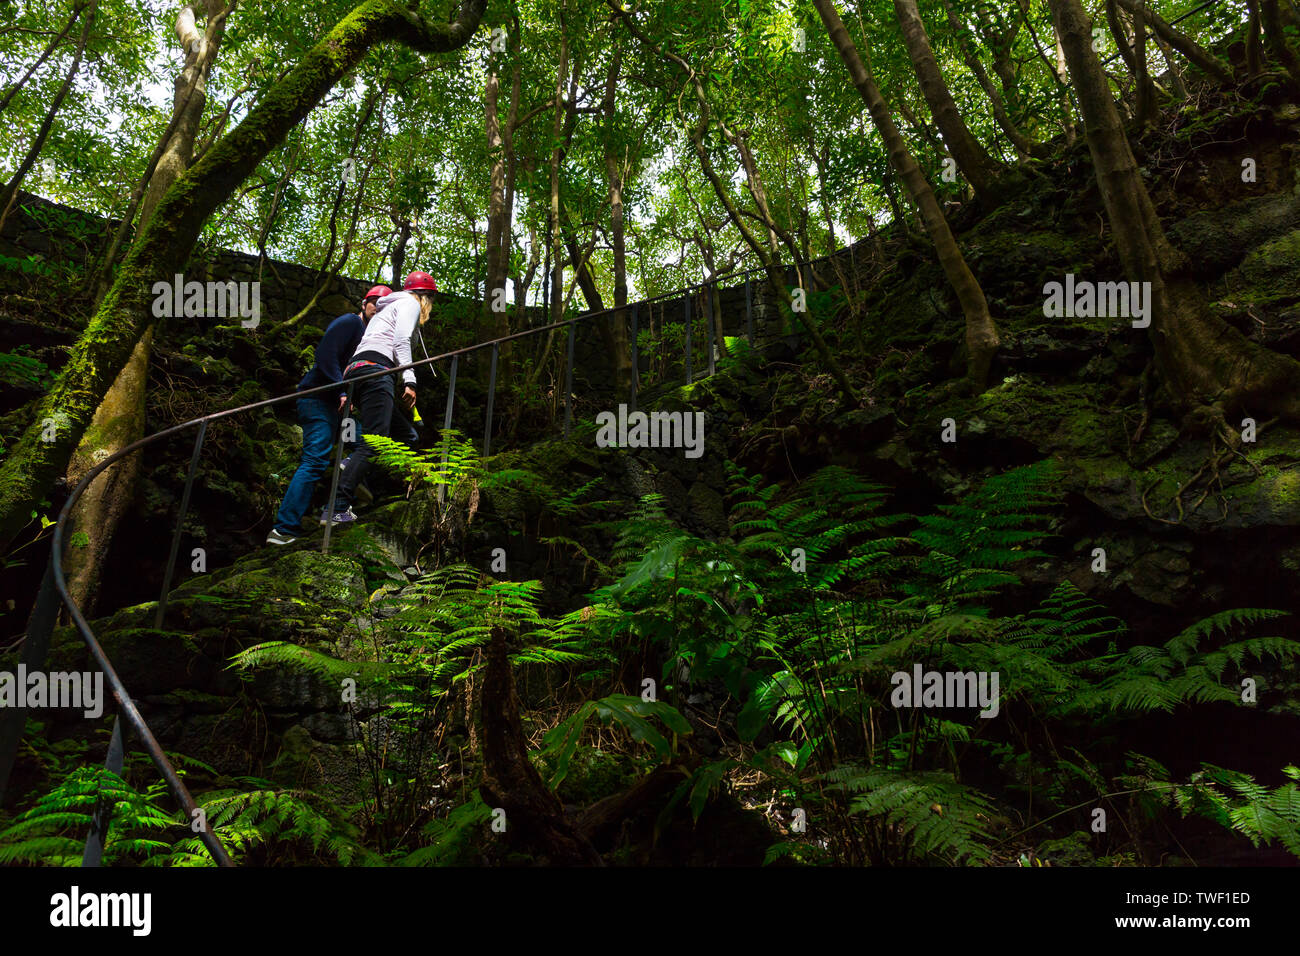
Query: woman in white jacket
(386, 344)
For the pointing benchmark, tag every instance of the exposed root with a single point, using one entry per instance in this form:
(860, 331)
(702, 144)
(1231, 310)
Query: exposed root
(1225, 444)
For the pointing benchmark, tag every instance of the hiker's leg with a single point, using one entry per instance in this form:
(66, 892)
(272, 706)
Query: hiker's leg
(375, 399)
(318, 424)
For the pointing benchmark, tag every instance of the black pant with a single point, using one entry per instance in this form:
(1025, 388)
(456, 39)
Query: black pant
(374, 398)
(402, 427)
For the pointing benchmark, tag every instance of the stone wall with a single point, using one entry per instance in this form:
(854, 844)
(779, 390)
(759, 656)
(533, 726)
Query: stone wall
(45, 244)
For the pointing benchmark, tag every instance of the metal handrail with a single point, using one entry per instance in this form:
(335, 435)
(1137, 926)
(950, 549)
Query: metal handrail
(126, 706)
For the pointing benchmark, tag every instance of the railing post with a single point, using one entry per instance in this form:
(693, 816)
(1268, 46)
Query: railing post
(568, 384)
(491, 400)
(690, 376)
(636, 367)
(180, 522)
(40, 626)
(126, 706)
(749, 311)
(710, 329)
(94, 851)
(334, 477)
(446, 424)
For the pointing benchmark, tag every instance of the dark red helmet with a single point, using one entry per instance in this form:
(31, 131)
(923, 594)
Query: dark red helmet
(376, 292)
(420, 282)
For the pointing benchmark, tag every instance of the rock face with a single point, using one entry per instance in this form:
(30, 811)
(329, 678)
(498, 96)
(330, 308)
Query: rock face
(290, 726)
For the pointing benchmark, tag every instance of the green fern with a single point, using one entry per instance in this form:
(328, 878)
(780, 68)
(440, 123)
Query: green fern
(940, 819)
(1235, 801)
(1151, 678)
(53, 831)
(450, 836)
(275, 820)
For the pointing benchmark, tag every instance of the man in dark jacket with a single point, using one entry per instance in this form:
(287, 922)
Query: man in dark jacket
(319, 415)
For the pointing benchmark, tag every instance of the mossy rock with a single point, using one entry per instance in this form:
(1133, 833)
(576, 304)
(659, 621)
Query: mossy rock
(1216, 239)
(292, 593)
(1270, 273)
(148, 661)
(707, 508)
(291, 690)
(309, 575)
(336, 771)
(229, 741)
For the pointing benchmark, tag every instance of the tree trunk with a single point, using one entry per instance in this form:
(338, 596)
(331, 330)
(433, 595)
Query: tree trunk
(1197, 55)
(615, 328)
(513, 123)
(1133, 53)
(525, 282)
(979, 168)
(533, 815)
(1254, 48)
(758, 192)
(557, 274)
(120, 418)
(1276, 40)
(1024, 146)
(494, 287)
(1067, 113)
(1202, 359)
(981, 334)
(999, 42)
(1171, 66)
(1146, 90)
(399, 251)
(167, 239)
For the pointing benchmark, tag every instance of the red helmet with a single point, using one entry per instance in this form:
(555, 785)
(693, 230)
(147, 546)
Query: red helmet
(379, 290)
(420, 282)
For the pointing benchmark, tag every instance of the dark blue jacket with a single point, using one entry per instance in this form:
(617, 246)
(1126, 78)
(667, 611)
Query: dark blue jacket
(334, 352)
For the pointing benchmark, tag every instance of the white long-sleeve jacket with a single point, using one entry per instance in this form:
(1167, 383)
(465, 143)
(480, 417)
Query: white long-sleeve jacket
(389, 332)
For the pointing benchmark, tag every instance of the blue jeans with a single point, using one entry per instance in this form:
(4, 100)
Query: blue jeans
(319, 424)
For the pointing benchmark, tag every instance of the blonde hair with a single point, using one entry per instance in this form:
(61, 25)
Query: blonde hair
(426, 307)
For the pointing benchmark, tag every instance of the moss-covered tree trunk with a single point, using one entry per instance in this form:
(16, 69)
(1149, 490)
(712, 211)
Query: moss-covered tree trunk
(166, 241)
(1202, 359)
(981, 334)
(120, 418)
